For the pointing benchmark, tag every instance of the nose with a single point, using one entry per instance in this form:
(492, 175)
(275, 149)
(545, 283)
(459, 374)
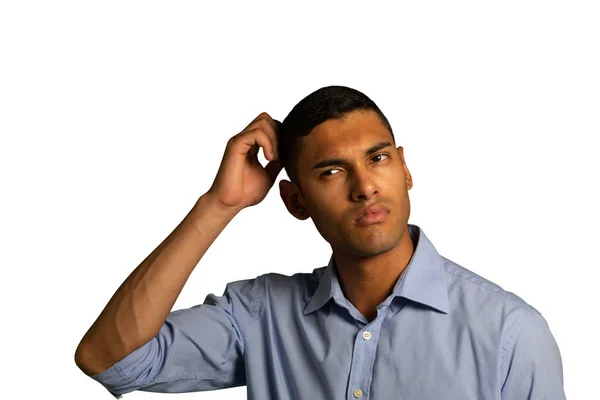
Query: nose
(363, 186)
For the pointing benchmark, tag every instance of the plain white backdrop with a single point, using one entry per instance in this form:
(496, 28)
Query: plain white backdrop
(114, 117)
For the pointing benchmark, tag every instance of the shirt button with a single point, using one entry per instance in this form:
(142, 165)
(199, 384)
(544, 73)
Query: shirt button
(357, 393)
(366, 335)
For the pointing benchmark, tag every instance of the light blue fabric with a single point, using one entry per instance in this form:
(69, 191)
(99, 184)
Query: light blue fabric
(444, 333)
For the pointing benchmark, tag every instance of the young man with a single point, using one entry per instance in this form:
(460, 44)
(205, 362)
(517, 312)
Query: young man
(388, 318)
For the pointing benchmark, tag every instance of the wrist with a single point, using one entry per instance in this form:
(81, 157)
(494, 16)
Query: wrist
(211, 205)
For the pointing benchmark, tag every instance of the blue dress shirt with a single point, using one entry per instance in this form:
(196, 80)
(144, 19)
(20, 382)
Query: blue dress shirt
(443, 333)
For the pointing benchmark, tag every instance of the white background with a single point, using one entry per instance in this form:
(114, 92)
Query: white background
(114, 117)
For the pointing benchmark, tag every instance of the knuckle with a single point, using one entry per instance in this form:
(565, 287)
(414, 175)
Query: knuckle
(266, 126)
(232, 140)
(256, 130)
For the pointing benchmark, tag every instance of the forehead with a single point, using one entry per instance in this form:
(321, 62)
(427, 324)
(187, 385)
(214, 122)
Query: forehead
(354, 133)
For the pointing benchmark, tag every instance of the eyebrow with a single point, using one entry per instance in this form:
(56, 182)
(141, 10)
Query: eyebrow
(341, 161)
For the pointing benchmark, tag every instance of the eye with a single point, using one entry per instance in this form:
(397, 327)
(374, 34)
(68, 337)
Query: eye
(380, 155)
(325, 173)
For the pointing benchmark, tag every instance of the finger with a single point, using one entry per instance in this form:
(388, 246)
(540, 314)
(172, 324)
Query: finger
(253, 124)
(270, 150)
(273, 169)
(269, 126)
(272, 122)
(253, 152)
(256, 137)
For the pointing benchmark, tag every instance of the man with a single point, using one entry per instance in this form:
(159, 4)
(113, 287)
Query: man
(388, 318)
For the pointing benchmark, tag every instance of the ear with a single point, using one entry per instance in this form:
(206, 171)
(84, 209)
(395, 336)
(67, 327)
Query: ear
(292, 198)
(407, 176)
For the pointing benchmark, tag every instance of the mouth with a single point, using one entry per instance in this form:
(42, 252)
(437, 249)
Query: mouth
(373, 214)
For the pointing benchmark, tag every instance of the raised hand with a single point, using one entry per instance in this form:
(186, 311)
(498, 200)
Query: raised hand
(241, 180)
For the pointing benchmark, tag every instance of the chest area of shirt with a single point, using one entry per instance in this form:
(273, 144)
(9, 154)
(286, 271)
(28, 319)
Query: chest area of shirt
(399, 356)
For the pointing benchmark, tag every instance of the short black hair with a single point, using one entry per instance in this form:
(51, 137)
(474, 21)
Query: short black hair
(329, 102)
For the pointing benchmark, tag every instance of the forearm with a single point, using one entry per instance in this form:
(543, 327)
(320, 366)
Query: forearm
(140, 306)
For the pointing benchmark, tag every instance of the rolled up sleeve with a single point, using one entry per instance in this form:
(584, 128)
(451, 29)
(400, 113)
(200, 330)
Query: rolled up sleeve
(531, 361)
(196, 349)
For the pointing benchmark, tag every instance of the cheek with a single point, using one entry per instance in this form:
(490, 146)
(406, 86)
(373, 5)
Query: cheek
(328, 219)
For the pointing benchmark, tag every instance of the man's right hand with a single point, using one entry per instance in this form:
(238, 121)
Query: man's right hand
(241, 180)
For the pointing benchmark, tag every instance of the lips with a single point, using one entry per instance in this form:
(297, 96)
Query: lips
(372, 213)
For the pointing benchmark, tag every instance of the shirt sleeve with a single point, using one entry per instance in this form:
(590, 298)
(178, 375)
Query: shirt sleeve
(531, 361)
(196, 349)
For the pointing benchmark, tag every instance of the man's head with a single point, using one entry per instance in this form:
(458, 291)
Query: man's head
(333, 147)
(330, 102)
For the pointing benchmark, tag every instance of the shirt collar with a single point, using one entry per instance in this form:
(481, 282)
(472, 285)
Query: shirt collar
(422, 281)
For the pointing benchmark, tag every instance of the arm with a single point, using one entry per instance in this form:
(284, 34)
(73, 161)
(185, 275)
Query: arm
(138, 309)
(197, 349)
(531, 361)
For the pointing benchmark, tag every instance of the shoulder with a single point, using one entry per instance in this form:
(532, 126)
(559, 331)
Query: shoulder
(529, 359)
(484, 305)
(470, 289)
(273, 286)
(300, 283)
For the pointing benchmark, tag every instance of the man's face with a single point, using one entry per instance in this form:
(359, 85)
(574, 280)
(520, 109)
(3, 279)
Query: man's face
(335, 193)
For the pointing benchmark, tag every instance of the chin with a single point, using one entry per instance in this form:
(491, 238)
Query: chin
(375, 247)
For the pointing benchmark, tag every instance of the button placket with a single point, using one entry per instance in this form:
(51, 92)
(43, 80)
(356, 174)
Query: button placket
(363, 359)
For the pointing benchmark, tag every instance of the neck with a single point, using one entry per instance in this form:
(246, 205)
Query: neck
(368, 281)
